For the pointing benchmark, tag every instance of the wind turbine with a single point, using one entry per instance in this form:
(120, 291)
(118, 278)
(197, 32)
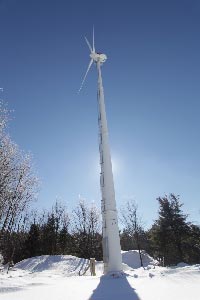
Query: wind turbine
(111, 242)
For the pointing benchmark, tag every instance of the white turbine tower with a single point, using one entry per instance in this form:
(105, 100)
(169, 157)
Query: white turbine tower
(111, 243)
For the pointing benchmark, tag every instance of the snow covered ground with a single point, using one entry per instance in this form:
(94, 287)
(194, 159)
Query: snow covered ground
(57, 278)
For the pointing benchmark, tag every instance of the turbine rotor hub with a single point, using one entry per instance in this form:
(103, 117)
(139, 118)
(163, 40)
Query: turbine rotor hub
(98, 57)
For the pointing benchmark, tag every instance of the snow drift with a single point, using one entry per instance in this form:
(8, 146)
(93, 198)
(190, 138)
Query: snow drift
(71, 265)
(55, 277)
(60, 264)
(132, 259)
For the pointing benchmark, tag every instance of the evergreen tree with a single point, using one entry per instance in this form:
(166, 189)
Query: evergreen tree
(126, 240)
(66, 242)
(169, 233)
(33, 242)
(49, 236)
(191, 245)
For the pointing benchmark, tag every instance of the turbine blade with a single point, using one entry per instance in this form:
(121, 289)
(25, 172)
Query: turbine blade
(89, 66)
(93, 48)
(88, 44)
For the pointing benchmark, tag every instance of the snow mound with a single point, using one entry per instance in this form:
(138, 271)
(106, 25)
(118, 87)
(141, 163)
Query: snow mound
(132, 259)
(58, 264)
(68, 265)
(34, 278)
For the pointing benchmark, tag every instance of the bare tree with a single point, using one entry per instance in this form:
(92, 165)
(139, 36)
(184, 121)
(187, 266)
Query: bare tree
(18, 184)
(86, 229)
(17, 190)
(133, 224)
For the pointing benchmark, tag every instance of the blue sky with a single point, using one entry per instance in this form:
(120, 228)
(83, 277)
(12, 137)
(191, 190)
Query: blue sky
(152, 92)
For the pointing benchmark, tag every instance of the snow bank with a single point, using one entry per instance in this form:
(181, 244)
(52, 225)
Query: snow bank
(49, 278)
(132, 259)
(60, 264)
(71, 265)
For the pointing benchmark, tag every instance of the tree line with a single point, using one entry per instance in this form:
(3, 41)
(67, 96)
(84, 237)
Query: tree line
(171, 239)
(26, 233)
(54, 232)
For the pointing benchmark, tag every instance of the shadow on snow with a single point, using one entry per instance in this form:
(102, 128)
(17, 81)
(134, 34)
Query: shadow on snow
(114, 288)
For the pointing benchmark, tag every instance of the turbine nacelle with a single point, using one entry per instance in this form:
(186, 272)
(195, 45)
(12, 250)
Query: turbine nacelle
(95, 57)
(98, 57)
